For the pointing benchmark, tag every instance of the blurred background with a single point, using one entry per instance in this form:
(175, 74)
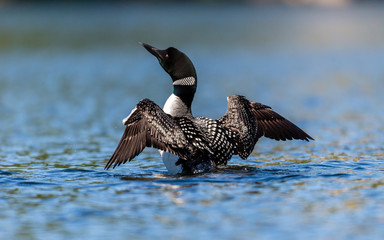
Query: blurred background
(70, 71)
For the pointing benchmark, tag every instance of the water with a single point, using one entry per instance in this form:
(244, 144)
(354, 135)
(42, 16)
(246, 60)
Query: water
(69, 74)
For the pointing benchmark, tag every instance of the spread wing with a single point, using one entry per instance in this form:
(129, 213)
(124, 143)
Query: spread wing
(253, 120)
(241, 120)
(148, 126)
(273, 125)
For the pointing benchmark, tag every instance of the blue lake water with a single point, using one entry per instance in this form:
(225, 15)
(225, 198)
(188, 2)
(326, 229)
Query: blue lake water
(70, 74)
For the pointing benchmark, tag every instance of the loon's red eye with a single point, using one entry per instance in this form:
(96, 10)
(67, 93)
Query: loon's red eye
(166, 56)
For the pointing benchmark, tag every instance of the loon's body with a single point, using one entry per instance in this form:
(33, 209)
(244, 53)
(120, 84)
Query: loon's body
(188, 144)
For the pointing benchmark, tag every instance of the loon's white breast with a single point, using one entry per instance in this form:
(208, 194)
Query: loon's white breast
(175, 107)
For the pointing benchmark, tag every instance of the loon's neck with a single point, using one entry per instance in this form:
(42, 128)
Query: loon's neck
(180, 102)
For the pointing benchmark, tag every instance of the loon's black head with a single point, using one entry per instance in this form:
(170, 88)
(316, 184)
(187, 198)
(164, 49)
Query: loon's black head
(173, 61)
(181, 70)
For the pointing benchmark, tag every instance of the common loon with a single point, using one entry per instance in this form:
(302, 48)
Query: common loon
(190, 144)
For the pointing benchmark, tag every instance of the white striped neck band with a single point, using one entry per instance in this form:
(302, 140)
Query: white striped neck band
(188, 81)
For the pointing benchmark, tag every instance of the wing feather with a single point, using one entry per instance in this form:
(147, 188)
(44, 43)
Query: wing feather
(253, 120)
(273, 125)
(240, 119)
(148, 126)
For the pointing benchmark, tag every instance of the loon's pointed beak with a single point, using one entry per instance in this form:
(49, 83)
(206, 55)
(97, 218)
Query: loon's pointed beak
(160, 54)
